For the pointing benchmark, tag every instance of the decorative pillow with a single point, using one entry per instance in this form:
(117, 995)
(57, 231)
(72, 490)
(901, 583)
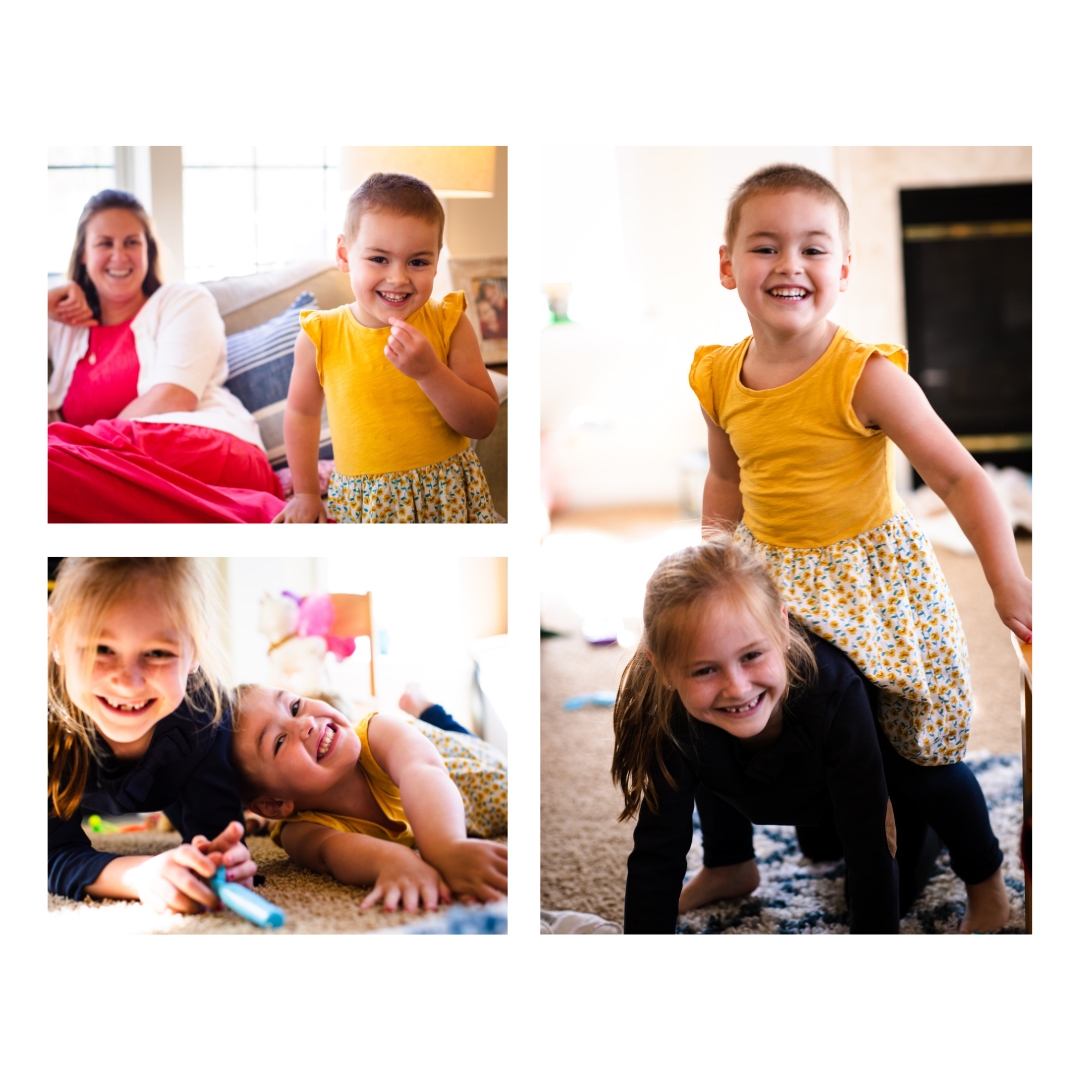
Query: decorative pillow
(260, 364)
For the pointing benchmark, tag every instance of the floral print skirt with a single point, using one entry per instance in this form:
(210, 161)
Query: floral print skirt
(881, 598)
(454, 490)
(479, 772)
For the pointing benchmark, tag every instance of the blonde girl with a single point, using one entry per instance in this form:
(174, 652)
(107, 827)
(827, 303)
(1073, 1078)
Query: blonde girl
(138, 722)
(729, 701)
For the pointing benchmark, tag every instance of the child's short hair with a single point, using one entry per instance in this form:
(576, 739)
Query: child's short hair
(778, 178)
(396, 193)
(250, 791)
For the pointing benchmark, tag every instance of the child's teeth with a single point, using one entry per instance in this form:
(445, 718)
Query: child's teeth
(743, 708)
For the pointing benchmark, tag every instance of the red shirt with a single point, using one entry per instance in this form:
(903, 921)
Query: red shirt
(106, 379)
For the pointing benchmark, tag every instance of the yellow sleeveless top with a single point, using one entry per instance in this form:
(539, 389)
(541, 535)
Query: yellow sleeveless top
(382, 787)
(380, 420)
(810, 474)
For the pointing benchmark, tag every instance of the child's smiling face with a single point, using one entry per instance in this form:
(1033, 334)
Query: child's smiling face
(391, 264)
(132, 673)
(293, 749)
(733, 674)
(788, 261)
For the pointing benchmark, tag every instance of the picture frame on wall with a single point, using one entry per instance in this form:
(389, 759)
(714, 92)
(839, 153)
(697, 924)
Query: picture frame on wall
(484, 282)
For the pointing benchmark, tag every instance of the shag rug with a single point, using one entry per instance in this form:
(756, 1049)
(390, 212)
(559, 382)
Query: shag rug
(313, 903)
(797, 896)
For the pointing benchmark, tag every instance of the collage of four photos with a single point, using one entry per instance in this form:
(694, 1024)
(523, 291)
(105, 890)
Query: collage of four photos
(766, 491)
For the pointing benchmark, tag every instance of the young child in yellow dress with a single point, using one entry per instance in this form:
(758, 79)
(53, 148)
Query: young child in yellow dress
(404, 382)
(800, 416)
(394, 804)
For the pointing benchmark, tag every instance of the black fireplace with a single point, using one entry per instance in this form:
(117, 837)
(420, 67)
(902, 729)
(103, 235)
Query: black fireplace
(967, 280)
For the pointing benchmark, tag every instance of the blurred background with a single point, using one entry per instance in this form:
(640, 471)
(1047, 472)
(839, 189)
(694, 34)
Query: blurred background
(224, 211)
(941, 240)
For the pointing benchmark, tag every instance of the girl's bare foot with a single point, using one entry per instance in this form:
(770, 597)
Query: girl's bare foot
(413, 701)
(987, 906)
(719, 883)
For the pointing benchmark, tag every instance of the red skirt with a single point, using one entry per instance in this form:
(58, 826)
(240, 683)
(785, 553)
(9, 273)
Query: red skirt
(127, 471)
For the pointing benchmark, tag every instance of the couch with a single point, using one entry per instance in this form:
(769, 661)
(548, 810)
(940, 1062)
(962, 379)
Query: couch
(258, 300)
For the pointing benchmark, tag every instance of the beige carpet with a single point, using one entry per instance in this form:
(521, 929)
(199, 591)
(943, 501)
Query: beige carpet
(584, 848)
(313, 903)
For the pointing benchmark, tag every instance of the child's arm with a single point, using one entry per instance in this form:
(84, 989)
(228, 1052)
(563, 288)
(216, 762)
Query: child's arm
(891, 400)
(461, 389)
(394, 870)
(435, 811)
(303, 419)
(721, 501)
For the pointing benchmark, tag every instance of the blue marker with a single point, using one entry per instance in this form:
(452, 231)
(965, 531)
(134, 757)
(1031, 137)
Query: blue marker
(245, 902)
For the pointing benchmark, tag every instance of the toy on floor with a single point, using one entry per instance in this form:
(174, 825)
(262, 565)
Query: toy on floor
(97, 825)
(597, 697)
(250, 905)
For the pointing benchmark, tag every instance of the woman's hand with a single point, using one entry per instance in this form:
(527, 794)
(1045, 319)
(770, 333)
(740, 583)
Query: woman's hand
(68, 304)
(406, 879)
(228, 850)
(475, 868)
(302, 510)
(409, 351)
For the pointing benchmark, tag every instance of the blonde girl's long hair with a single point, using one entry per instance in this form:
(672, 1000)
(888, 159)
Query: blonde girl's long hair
(86, 591)
(675, 597)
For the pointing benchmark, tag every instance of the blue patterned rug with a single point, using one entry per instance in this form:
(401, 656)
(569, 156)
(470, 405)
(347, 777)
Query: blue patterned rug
(797, 896)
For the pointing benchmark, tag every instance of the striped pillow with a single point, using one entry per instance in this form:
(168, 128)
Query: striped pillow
(260, 364)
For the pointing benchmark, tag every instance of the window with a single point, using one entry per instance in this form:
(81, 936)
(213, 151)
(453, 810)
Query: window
(75, 173)
(250, 209)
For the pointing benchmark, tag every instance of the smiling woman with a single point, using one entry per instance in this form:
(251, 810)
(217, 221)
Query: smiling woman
(141, 427)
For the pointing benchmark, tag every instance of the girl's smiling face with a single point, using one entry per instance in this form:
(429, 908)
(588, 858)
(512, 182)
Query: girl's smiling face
(391, 265)
(732, 674)
(788, 261)
(292, 748)
(132, 673)
(116, 257)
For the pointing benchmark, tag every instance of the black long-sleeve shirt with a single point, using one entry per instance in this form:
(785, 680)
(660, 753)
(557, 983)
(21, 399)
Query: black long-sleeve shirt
(186, 766)
(824, 766)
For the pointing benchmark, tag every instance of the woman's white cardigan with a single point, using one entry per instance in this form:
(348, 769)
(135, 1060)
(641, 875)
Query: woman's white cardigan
(179, 338)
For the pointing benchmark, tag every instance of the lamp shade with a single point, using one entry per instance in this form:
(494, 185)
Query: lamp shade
(452, 172)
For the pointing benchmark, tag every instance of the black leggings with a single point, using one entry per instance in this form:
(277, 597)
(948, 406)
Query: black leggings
(931, 804)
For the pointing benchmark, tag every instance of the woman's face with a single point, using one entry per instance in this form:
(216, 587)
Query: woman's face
(132, 673)
(116, 257)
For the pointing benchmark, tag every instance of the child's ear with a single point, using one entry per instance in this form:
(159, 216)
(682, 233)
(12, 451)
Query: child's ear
(845, 271)
(269, 807)
(342, 256)
(727, 279)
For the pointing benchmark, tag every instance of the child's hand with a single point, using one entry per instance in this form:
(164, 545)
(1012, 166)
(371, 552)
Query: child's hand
(302, 510)
(476, 868)
(409, 351)
(406, 879)
(1013, 603)
(228, 850)
(173, 881)
(68, 304)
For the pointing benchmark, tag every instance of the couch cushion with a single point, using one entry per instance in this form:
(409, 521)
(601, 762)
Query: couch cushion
(260, 364)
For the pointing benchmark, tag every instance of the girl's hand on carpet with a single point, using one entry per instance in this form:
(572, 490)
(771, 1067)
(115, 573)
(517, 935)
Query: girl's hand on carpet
(476, 868)
(406, 879)
(227, 850)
